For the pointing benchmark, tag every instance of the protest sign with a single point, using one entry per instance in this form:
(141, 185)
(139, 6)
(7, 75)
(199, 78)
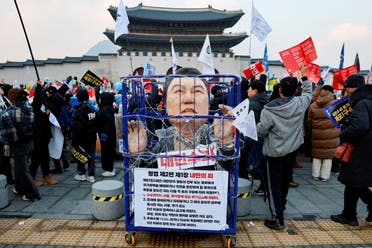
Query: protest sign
(299, 55)
(340, 76)
(313, 72)
(91, 79)
(253, 70)
(191, 199)
(338, 111)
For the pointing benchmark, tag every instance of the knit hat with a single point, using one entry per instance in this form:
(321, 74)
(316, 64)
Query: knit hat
(327, 87)
(354, 81)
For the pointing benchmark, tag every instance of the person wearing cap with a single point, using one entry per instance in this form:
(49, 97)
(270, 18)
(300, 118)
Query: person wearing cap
(324, 135)
(281, 127)
(356, 174)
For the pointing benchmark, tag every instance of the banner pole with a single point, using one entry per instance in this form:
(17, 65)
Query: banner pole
(28, 42)
(130, 56)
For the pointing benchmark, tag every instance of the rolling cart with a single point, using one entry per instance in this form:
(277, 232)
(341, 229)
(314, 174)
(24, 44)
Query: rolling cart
(168, 198)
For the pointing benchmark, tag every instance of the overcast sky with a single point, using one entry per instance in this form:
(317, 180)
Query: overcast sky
(60, 28)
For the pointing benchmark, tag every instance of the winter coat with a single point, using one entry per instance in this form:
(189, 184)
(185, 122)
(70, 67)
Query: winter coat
(41, 126)
(84, 126)
(105, 121)
(324, 134)
(358, 131)
(281, 123)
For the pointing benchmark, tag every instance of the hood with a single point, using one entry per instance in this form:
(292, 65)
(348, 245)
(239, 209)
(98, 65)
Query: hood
(359, 94)
(262, 98)
(325, 97)
(284, 107)
(107, 99)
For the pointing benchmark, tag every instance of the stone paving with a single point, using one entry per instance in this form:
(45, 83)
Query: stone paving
(63, 217)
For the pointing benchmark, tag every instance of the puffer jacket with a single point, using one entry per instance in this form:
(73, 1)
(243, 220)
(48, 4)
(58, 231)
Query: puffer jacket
(358, 171)
(324, 134)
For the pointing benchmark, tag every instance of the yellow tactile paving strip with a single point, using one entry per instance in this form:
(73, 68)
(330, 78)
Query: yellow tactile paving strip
(59, 232)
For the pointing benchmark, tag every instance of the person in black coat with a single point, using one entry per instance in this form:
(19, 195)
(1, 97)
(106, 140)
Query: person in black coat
(356, 174)
(105, 121)
(42, 136)
(84, 134)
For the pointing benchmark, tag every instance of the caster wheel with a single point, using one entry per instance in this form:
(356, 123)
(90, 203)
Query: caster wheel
(231, 242)
(130, 238)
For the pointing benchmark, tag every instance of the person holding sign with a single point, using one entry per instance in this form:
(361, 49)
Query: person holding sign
(356, 174)
(281, 127)
(187, 102)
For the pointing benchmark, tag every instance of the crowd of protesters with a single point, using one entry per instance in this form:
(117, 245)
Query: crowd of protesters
(292, 113)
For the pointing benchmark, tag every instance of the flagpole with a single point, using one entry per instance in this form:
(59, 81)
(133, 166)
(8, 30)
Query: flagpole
(130, 55)
(28, 42)
(250, 37)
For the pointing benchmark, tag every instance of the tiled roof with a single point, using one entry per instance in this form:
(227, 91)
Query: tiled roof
(185, 15)
(49, 61)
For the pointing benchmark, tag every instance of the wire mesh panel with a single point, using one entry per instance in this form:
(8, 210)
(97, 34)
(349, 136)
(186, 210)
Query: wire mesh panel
(180, 152)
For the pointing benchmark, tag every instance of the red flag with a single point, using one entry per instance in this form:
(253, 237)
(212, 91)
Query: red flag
(313, 72)
(299, 55)
(340, 76)
(253, 70)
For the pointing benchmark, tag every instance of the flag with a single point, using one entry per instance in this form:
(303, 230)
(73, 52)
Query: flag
(265, 59)
(356, 62)
(174, 58)
(369, 77)
(122, 21)
(342, 57)
(206, 57)
(259, 26)
(325, 72)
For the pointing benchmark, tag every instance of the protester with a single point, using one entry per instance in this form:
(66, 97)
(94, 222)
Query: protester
(41, 137)
(186, 97)
(324, 135)
(5, 167)
(107, 132)
(22, 117)
(356, 174)
(257, 99)
(54, 102)
(84, 134)
(281, 127)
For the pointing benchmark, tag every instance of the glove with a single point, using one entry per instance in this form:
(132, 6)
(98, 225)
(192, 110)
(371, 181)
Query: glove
(6, 149)
(103, 137)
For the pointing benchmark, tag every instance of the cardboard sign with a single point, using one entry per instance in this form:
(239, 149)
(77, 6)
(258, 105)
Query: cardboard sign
(253, 70)
(181, 199)
(313, 72)
(91, 79)
(340, 76)
(296, 56)
(338, 111)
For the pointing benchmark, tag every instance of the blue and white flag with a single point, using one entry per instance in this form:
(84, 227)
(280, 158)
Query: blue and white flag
(122, 21)
(259, 26)
(342, 57)
(174, 58)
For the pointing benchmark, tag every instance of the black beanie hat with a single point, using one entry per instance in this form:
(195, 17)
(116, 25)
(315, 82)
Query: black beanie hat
(354, 81)
(327, 87)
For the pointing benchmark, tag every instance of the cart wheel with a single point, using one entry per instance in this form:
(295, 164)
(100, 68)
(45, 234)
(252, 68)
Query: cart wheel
(231, 242)
(130, 238)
